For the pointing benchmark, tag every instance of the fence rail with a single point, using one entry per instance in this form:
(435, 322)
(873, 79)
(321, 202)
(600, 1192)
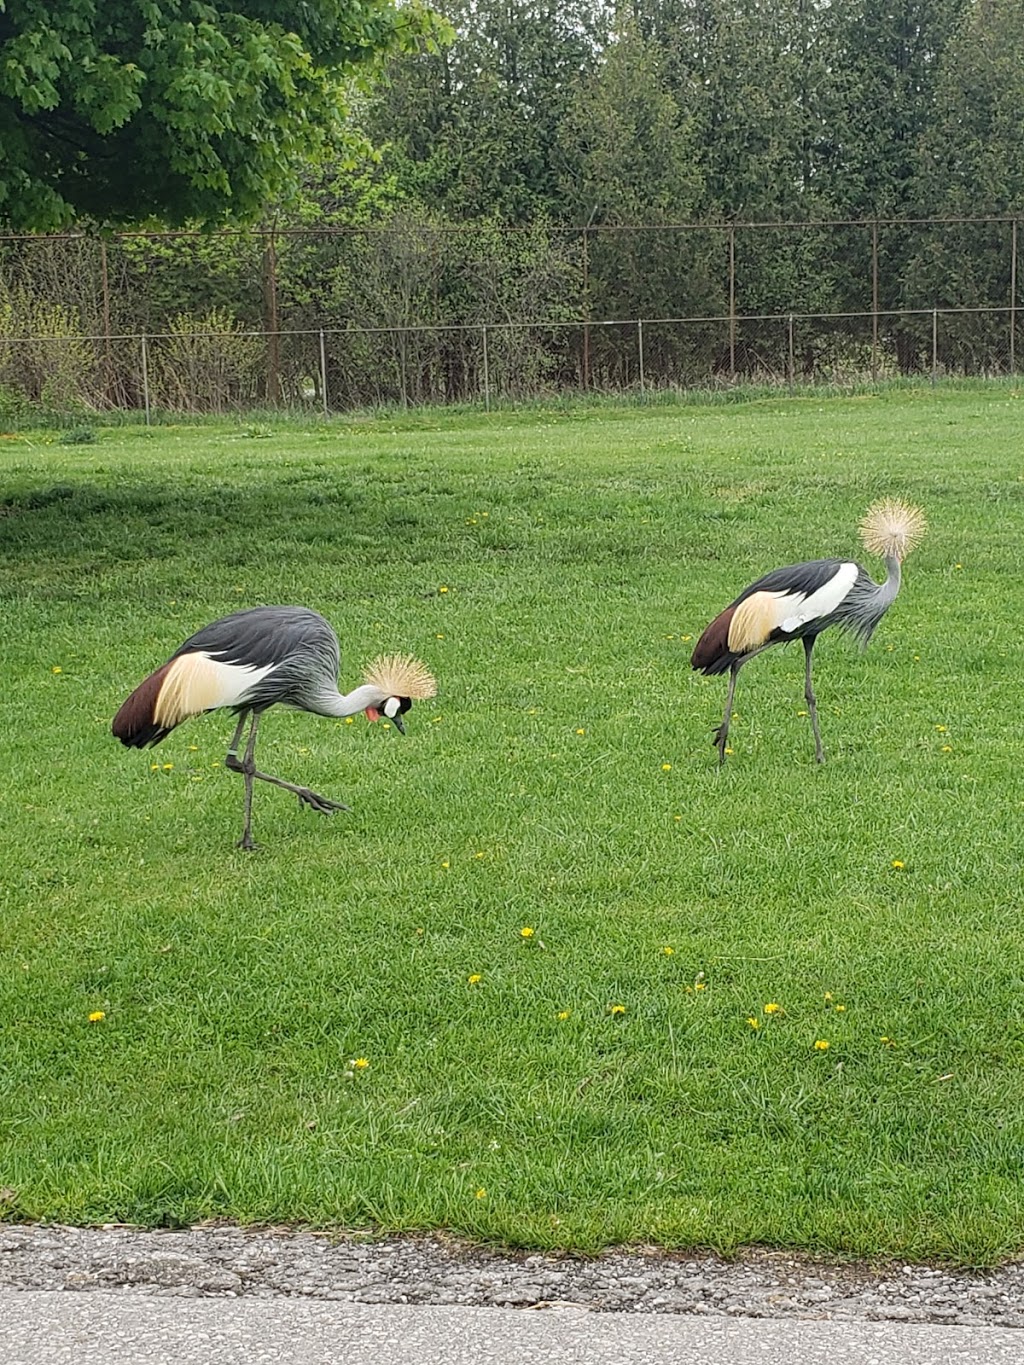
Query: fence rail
(324, 369)
(437, 313)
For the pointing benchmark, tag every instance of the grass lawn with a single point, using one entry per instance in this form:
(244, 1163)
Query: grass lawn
(598, 1079)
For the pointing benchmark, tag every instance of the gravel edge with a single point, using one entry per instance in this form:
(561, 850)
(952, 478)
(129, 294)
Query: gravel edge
(267, 1262)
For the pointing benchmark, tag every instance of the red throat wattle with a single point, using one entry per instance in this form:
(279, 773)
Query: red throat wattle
(372, 713)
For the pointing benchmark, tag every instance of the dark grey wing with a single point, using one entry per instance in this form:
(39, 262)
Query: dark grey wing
(805, 578)
(265, 635)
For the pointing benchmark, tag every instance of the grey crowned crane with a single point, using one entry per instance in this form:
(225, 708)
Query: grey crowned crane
(802, 600)
(255, 659)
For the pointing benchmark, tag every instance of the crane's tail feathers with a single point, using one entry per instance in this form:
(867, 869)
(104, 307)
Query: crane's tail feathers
(135, 724)
(185, 686)
(400, 675)
(712, 654)
(892, 528)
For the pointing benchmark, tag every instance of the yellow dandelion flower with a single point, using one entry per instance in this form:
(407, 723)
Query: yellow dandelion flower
(700, 986)
(947, 748)
(154, 767)
(350, 720)
(481, 854)
(828, 997)
(941, 729)
(438, 637)
(474, 979)
(728, 749)
(526, 932)
(446, 863)
(58, 669)
(668, 950)
(168, 767)
(616, 1009)
(822, 1045)
(898, 864)
(581, 731)
(562, 1014)
(193, 748)
(359, 1063)
(481, 1193)
(686, 637)
(97, 1017)
(958, 566)
(753, 1021)
(666, 767)
(840, 1009)
(772, 1008)
(442, 589)
(803, 713)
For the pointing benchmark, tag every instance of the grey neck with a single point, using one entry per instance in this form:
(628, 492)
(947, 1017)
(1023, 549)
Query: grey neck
(347, 704)
(893, 578)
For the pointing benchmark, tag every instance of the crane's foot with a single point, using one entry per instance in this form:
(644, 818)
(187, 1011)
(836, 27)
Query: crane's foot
(321, 804)
(719, 742)
(248, 843)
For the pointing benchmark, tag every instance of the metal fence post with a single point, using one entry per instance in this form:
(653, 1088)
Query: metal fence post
(640, 349)
(145, 377)
(732, 304)
(790, 358)
(1013, 298)
(108, 355)
(874, 302)
(273, 357)
(935, 346)
(487, 373)
(323, 373)
(586, 305)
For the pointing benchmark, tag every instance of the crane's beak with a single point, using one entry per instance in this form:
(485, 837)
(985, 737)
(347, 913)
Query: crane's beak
(396, 721)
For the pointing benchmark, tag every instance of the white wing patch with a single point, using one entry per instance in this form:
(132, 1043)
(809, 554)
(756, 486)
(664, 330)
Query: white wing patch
(821, 602)
(197, 683)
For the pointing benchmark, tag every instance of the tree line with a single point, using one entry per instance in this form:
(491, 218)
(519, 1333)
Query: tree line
(505, 170)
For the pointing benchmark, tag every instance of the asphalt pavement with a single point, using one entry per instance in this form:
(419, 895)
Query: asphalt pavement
(132, 1328)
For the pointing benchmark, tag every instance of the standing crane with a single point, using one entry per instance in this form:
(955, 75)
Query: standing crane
(802, 600)
(255, 659)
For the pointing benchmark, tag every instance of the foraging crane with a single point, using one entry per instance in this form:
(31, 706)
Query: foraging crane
(256, 659)
(799, 602)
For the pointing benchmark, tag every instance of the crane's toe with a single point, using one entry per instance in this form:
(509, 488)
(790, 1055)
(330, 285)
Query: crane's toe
(321, 804)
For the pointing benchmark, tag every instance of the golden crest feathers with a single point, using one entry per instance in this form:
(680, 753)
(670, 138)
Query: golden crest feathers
(892, 527)
(400, 675)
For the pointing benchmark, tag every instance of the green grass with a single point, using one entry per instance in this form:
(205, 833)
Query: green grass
(563, 781)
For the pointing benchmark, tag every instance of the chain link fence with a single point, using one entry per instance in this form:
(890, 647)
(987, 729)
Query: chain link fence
(330, 321)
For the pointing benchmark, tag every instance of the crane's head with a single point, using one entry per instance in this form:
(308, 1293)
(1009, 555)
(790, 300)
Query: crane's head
(891, 528)
(400, 679)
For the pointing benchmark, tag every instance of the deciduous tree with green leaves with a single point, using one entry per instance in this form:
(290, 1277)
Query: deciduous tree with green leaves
(202, 110)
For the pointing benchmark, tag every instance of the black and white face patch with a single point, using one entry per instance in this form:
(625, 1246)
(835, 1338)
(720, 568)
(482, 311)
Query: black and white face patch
(395, 706)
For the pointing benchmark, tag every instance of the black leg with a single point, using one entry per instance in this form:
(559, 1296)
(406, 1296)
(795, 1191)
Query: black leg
(812, 701)
(247, 767)
(722, 733)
